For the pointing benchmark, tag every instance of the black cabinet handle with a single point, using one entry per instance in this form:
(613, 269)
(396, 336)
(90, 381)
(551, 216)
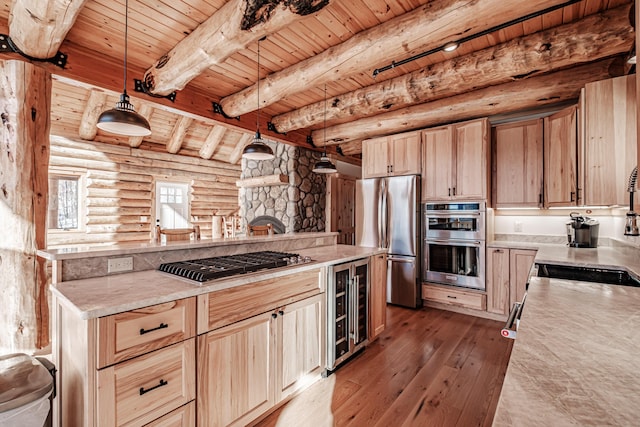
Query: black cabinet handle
(273, 315)
(281, 313)
(452, 297)
(573, 195)
(160, 384)
(449, 191)
(146, 331)
(454, 191)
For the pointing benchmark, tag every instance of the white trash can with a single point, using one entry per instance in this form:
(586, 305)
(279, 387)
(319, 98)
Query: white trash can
(25, 386)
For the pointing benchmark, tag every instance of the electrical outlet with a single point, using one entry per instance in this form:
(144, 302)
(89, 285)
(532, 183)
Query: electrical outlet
(517, 226)
(143, 219)
(116, 265)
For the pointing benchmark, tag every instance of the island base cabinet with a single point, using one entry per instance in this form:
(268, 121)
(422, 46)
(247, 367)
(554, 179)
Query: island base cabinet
(141, 390)
(235, 379)
(184, 416)
(246, 368)
(507, 274)
(301, 352)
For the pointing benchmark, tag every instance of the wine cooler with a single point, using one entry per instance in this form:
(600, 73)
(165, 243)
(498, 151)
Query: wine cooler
(347, 311)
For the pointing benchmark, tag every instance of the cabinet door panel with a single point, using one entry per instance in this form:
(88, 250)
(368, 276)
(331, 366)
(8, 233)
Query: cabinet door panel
(520, 262)
(610, 140)
(471, 157)
(498, 280)
(518, 164)
(378, 295)
(375, 157)
(437, 154)
(301, 345)
(235, 382)
(406, 153)
(560, 160)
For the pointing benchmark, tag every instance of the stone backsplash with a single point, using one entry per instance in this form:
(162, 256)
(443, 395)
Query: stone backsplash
(300, 204)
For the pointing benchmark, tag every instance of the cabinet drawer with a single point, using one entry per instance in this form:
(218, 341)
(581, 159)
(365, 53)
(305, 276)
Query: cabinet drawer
(132, 333)
(184, 416)
(143, 389)
(220, 308)
(462, 298)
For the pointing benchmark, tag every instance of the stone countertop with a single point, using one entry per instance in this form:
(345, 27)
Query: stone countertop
(103, 296)
(137, 248)
(575, 359)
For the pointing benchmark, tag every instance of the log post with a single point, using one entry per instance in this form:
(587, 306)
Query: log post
(25, 104)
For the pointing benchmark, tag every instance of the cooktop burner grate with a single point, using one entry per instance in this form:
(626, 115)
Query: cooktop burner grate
(202, 270)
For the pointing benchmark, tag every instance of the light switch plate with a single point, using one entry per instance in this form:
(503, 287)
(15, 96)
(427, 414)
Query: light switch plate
(116, 265)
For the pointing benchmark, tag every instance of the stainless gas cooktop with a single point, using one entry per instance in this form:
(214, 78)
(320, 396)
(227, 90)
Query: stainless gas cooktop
(202, 270)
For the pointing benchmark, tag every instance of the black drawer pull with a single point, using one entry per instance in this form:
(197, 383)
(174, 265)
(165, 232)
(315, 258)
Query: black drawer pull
(146, 331)
(452, 297)
(160, 384)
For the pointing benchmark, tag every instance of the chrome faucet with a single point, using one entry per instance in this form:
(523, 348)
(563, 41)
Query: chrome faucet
(631, 225)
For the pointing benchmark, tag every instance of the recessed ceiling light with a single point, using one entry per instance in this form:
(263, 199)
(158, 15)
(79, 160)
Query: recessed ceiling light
(450, 47)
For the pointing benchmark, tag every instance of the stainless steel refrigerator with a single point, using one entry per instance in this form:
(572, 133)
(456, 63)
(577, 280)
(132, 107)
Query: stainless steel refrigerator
(387, 216)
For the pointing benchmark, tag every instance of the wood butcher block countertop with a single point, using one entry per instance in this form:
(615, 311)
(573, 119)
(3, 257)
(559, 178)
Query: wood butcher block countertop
(103, 296)
(576, 358)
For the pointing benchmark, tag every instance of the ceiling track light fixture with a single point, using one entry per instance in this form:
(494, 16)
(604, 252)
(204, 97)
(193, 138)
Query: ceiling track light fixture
(325, 165)
(257, 149)
(123, 119)
(453, 45)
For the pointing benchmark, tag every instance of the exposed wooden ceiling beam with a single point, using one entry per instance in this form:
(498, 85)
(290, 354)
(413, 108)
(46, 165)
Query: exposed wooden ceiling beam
(211, 143)
(529, 93)
(236, 154)
(352, 147)
(145, 111)
(177, 134)
(96, 104)
(424, 28)
(595, 37)
(234, 26)
(81, 71)
(38, 27)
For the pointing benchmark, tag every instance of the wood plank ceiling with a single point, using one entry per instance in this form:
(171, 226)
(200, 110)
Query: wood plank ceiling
(370, 34)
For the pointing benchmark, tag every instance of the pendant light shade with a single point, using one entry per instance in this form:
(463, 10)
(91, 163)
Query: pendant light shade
(325, 165)
(123, 119)
(257, 149)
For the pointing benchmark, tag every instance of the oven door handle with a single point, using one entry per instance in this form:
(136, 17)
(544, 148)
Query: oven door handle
(452, 242)
(458, 214)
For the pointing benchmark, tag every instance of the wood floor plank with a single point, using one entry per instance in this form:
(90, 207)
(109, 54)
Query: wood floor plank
(429, 367)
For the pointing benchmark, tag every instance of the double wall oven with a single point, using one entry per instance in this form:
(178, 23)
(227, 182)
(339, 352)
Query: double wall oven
(454, 244)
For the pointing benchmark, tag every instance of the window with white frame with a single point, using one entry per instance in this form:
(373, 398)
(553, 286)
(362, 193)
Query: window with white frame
(64, 202)
(172, 204)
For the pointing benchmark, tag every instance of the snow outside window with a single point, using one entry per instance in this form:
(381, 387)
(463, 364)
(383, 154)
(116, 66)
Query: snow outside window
(172, 204)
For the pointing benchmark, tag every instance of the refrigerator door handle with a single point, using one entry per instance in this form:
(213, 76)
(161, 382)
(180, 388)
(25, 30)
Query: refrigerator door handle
(379, 224)
(384, 219)
(356, 295)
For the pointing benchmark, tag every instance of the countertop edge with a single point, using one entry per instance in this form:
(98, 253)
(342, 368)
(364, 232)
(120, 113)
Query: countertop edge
(72, 293)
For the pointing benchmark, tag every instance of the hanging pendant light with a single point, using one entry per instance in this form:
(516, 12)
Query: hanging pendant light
(257, 149)
(325, 165)
(123, 119)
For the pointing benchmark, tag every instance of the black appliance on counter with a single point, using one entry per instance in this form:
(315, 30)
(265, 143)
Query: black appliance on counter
(582, 232)
(202, 270)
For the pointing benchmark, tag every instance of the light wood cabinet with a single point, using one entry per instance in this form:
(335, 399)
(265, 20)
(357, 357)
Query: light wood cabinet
(184, 416)
(517, 175)
(266, 358)
(392, 155)
(144, 388)
(235, 378)
(340, 207)
(127, 368)
(467, 298)
(300, 344)
(507, 274)
(561, 158)
(610, 140)
(456, 161)
(378, 296)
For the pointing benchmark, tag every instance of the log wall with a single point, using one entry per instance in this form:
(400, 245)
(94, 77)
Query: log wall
(118, 190)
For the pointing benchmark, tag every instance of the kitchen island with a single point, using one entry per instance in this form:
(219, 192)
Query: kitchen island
(130, 346)
(574, 361)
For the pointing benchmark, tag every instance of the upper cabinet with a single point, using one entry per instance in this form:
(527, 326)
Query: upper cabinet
(517, 177)
(609, 140)
(455, 161)
(392, 155)
(561, 158)
(536, 162)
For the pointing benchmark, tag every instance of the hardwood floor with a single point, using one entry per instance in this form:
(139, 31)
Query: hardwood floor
(428, 368)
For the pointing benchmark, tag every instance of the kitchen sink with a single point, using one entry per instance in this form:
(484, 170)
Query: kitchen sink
(587, 274)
